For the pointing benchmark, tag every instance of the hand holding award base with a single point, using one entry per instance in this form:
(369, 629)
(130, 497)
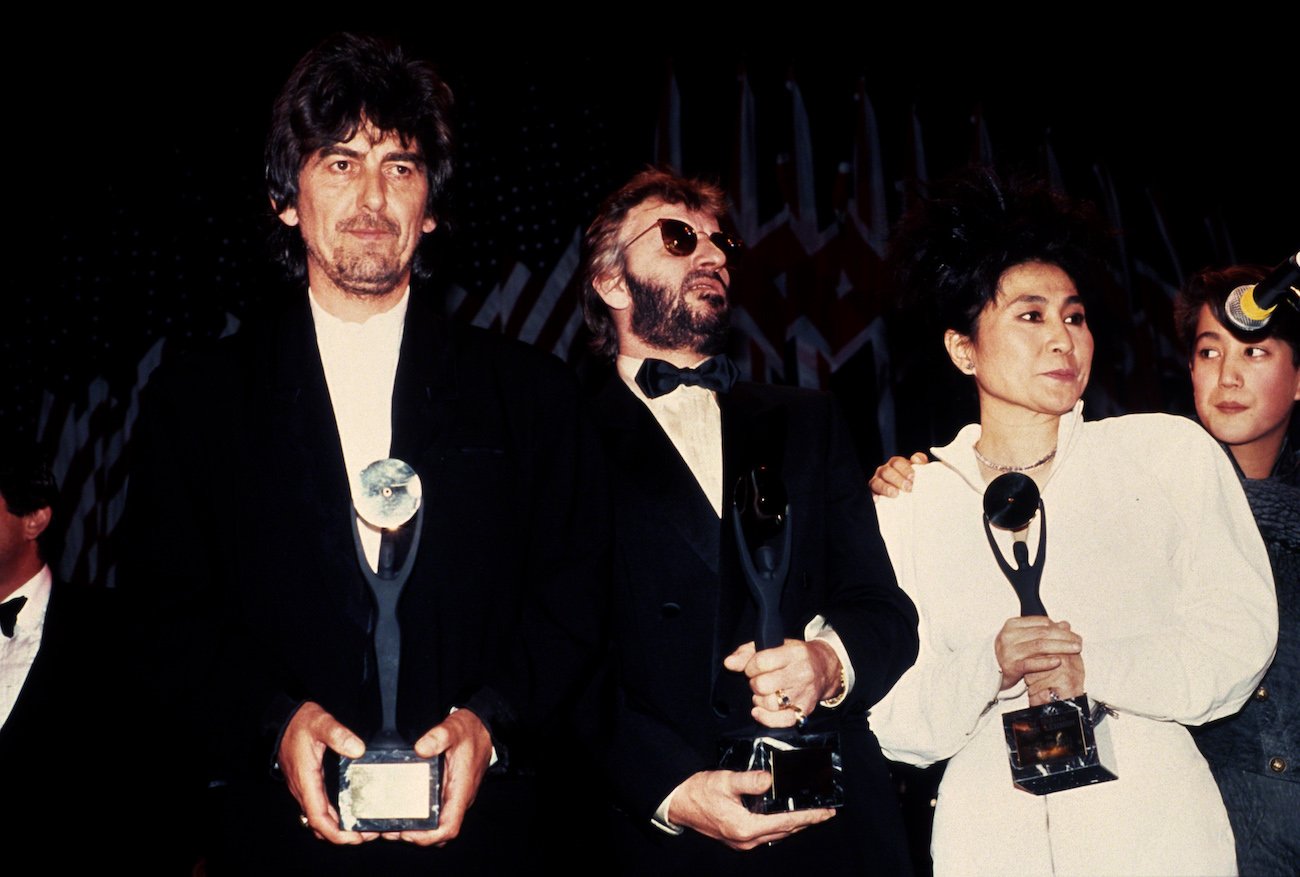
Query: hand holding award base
(1063, 744)
(389, 788)
(805, 768)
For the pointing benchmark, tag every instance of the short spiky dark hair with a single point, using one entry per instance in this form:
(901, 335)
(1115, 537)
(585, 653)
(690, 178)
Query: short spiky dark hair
(952, 249)
(344, 82)
(602, 253)
(1210, 288)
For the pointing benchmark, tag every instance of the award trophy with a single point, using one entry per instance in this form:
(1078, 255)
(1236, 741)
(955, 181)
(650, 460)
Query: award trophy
(390, 788)
(805, 768)
(1063, 744)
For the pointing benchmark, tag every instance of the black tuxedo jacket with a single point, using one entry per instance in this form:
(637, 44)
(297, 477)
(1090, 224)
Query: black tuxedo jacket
(241, 531)
(681, 604)
(73, 736)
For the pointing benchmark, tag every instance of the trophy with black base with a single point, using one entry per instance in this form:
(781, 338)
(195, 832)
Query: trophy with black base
(390, 788)
(1063, 744)
(805, 768)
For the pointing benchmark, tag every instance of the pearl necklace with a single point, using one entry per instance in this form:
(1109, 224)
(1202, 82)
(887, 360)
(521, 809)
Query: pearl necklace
(998, 467)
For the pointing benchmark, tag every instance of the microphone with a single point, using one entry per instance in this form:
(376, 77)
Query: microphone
(1250, 307)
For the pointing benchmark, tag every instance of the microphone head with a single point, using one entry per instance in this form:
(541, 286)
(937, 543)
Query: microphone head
(1242, 311)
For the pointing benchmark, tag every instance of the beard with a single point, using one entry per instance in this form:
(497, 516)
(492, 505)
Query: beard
(662, 319)
(362, 269)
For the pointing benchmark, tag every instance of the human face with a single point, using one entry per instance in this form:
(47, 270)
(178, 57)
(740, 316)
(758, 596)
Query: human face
(678, 303)
(1244, 390)
(361, 208)
(19, 553)
(1032, 351)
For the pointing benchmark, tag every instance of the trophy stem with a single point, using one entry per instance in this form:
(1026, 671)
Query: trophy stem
(386, 585)
(388, 650)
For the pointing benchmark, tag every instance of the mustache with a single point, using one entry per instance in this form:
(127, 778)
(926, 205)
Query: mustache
(369, 222)
(705, 275)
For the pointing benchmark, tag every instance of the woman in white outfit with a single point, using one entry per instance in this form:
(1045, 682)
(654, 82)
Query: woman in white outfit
(1156, 583)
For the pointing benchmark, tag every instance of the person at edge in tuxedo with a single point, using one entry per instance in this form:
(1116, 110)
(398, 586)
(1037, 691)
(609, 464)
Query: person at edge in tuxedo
(242, 532)
(63, 698)
(684, 666)
(1245, 386)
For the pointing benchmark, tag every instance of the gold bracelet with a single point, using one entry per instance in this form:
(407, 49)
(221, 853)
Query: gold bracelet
(841, 693)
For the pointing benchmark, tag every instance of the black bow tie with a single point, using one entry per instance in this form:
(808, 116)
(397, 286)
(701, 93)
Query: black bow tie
(657, 378)
(9, 614)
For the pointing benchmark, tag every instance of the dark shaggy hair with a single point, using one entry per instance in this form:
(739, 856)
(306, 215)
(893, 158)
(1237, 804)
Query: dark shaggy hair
(336, 86)
(27, 485)
(951, 250)
(602, 253)
(1210, 287)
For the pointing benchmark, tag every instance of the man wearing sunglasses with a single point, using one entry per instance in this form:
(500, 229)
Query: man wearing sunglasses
(246, 544)
(678, 433)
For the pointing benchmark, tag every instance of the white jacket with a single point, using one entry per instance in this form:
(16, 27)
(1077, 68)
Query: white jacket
(1154, 559)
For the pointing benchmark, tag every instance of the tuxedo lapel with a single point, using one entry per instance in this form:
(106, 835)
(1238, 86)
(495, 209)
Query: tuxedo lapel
(425, 388)
(642, 451)
(32, 716)
(302, 435)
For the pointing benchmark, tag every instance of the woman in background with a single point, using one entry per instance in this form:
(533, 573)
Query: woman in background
(1155, 578)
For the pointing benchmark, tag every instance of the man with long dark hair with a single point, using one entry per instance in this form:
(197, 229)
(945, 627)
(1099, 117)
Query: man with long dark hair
(241, 511)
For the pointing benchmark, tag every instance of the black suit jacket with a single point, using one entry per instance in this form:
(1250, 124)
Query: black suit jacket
(241, 527)
(680, 605)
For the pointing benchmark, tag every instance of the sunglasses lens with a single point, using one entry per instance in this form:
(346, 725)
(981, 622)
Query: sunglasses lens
(731, 247)
(679, 238)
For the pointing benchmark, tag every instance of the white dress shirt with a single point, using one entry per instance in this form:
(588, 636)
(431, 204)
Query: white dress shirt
(18, 653)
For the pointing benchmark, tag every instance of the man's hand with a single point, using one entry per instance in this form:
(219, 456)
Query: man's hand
(1034, 644)
(709, 802)
(803, 672)
(310, 732)
(466, 746)
(896, 474)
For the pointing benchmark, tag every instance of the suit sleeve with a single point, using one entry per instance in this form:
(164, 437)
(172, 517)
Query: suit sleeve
(541, 674)
(874, 618)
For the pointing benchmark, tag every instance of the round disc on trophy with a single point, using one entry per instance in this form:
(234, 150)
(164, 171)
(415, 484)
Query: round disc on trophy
(1011, 501)
(387, 494)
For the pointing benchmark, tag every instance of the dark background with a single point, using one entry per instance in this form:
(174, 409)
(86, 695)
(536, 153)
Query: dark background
(139, 162)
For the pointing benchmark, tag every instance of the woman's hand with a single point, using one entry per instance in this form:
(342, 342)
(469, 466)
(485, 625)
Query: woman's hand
(1065, 681)
(1034, 645)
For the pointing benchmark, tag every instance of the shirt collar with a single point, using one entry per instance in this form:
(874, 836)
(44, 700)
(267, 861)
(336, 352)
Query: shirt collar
(959, 454)
(37, 591)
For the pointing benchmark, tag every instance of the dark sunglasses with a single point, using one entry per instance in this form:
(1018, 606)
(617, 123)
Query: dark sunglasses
(680, 240)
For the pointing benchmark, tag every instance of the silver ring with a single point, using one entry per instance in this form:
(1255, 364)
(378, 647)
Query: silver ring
(302, 819)
(1052, 695)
